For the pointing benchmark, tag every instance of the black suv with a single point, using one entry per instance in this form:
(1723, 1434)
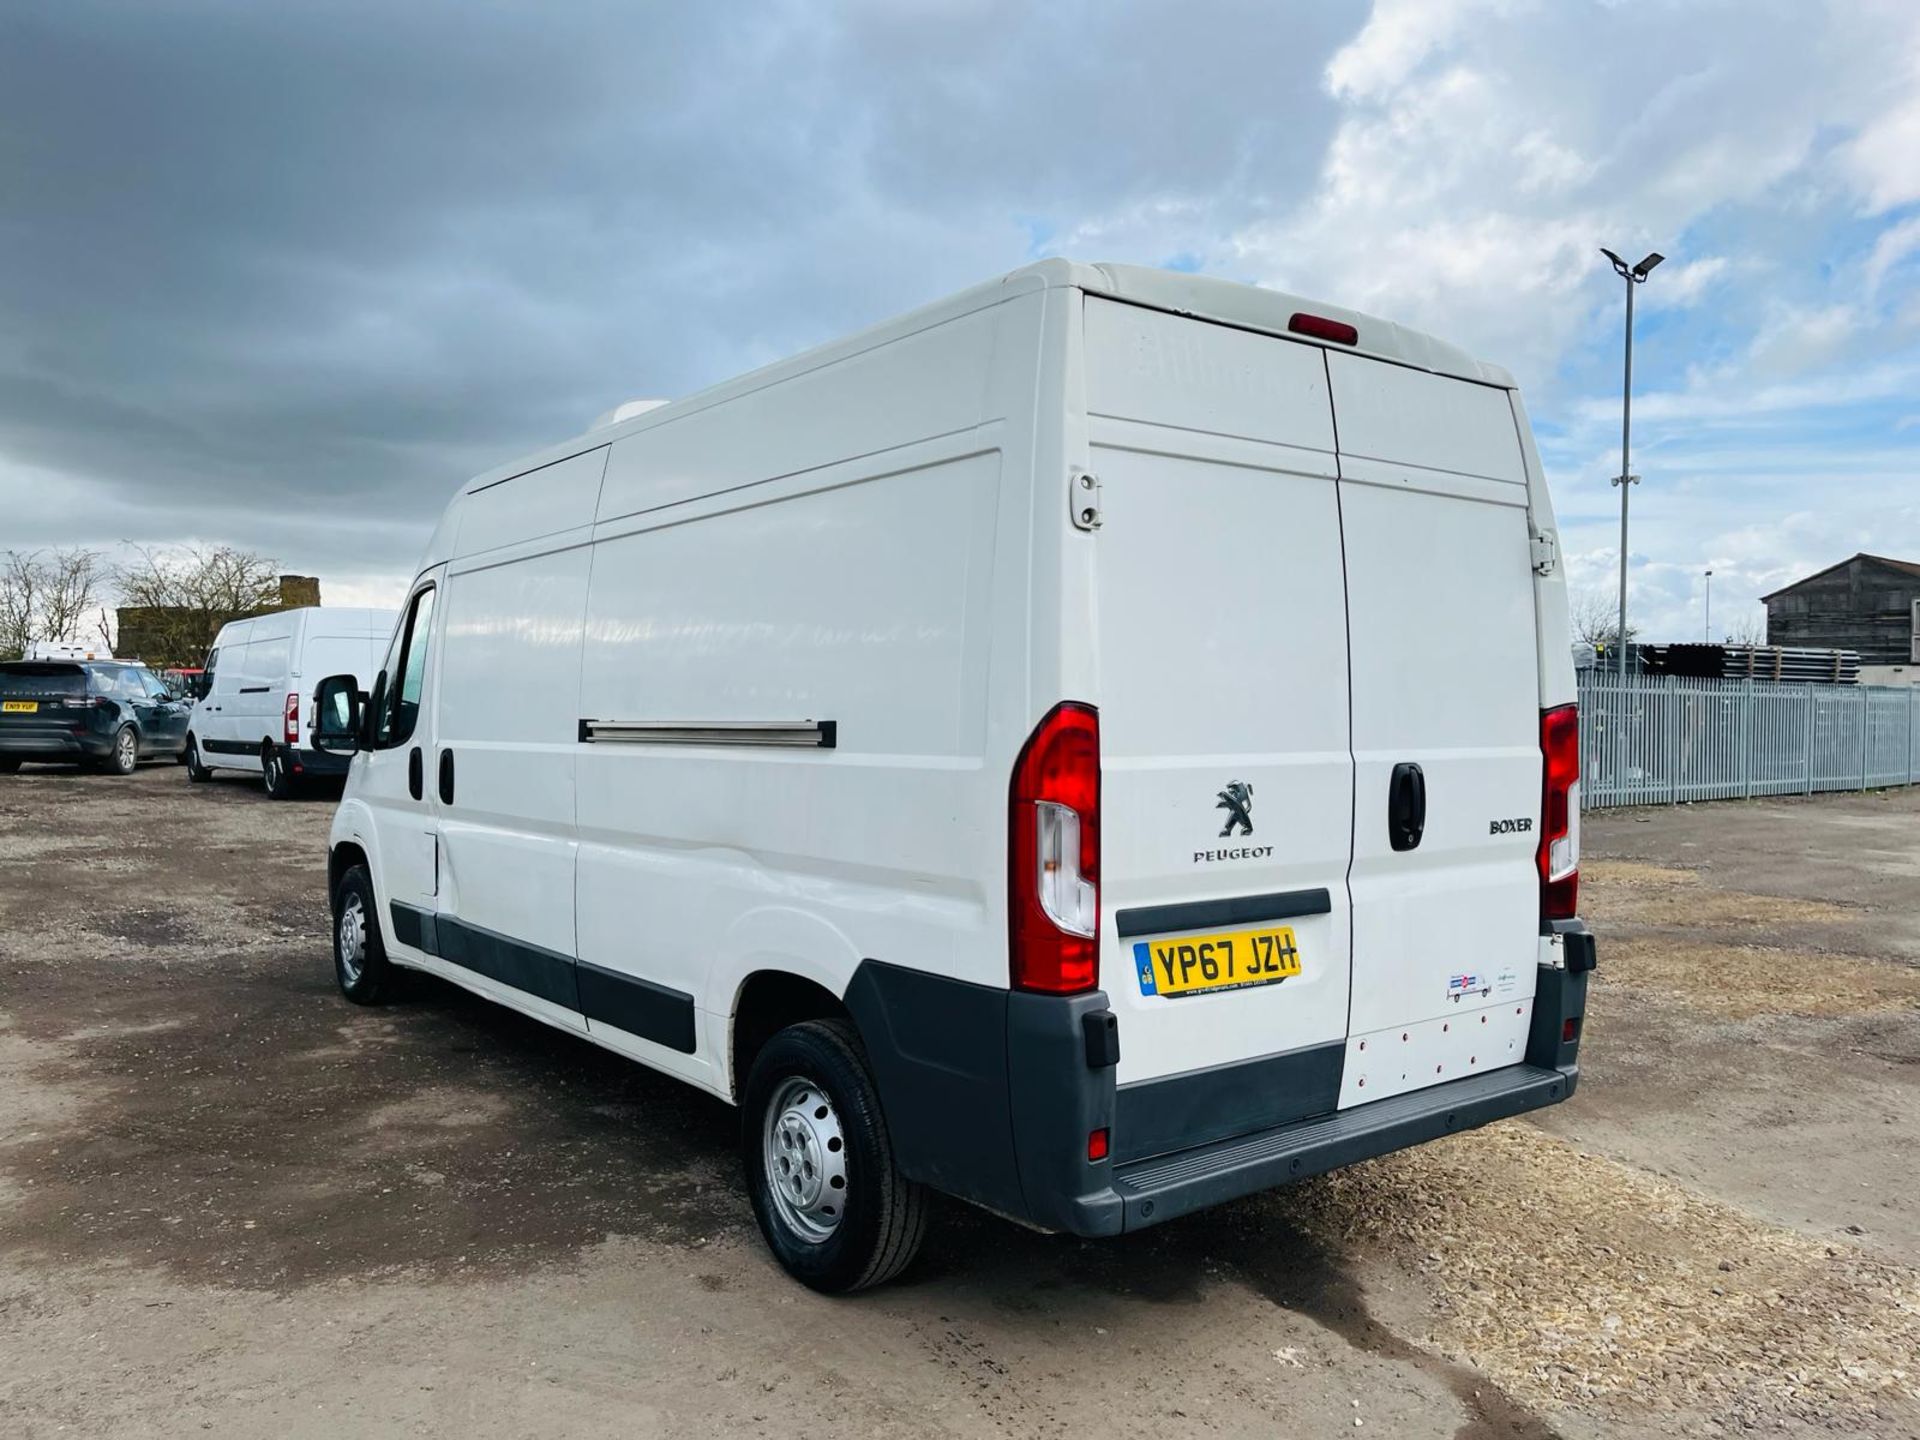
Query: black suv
(110, 713)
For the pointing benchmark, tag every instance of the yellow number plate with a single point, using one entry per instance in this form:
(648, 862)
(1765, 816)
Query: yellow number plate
(1229, 961)
(19, 707)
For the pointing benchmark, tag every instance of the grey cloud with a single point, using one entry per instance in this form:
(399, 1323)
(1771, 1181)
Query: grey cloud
(265, 267)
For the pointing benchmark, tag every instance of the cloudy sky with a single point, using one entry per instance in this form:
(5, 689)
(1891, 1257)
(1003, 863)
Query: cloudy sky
(282, 276)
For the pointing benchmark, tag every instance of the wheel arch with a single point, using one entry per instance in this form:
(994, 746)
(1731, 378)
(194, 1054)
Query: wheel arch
(767, 1002)
(342, 857)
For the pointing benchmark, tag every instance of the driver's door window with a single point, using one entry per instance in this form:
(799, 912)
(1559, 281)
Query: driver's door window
(397, 707)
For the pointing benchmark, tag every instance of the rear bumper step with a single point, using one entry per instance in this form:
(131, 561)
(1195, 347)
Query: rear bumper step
(1187, 1180)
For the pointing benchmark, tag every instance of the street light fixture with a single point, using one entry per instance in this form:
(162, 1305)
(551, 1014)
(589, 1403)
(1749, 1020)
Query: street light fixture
(1633, 275)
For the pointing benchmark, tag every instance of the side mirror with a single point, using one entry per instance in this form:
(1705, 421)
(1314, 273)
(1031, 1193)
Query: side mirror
(339, 706)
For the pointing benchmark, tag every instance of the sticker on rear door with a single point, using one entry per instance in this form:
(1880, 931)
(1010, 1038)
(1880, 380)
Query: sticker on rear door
(1467, 982)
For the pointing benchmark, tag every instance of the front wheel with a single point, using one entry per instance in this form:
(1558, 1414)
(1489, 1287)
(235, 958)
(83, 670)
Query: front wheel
(834, 1209)
(197, 771)
(359, 954)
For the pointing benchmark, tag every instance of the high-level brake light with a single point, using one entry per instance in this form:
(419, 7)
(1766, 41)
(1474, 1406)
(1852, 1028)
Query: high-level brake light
(1321, 328)
(1053, 849)
(1559, 854)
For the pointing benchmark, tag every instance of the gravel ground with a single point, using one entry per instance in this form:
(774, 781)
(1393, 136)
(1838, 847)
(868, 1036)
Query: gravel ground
(232, 1204)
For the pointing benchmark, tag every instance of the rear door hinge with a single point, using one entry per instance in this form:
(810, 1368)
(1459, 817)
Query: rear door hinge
(1546, 552)
(1083, 499)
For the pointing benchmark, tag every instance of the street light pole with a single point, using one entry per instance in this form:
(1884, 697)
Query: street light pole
(1626, 480)
(1707, 629)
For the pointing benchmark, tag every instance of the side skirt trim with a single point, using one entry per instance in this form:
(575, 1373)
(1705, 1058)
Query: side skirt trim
(640, 1007)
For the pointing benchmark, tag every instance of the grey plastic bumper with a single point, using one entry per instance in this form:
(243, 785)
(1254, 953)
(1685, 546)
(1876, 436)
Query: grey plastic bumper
(1172, 1185)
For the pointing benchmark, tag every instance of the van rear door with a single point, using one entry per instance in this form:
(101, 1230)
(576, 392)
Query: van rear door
(1226, 775)
(1446, 738)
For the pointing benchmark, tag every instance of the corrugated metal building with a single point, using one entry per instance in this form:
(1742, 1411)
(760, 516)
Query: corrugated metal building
(1868, 604)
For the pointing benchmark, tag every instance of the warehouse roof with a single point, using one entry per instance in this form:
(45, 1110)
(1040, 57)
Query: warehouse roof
(1910, 566)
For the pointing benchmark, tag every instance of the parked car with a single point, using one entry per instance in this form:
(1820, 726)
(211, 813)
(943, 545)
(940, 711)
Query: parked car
(1002, 754)
(256, 689)
(108, 713)
(184, 680)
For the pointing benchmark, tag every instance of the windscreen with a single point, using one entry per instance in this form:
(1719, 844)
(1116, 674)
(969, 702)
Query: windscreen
(32, 679)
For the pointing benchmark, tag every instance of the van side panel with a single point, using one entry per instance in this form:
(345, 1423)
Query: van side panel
(542, 502)
(508, 685)
(865, 604)
(923, 385)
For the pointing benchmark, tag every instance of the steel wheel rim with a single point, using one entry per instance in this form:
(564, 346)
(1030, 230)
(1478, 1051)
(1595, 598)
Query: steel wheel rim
(273, 771)
(352, 938)
(805, 1153)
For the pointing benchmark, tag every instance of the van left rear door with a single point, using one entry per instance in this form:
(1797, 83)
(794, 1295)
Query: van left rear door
(1226, 777)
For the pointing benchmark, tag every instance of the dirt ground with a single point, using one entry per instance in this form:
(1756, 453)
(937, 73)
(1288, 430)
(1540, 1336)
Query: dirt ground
(233, 1204)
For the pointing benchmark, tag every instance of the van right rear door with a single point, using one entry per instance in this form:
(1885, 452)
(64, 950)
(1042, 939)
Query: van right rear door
(1446, 726)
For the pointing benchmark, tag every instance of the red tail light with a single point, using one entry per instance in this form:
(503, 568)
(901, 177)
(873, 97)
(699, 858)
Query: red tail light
(1559, 854)
(1053, 849)
(293, 720)
(1321, 328)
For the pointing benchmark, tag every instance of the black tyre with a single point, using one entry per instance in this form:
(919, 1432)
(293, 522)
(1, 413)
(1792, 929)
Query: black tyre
(359, 954)
(197, 772)
(8, 765)
(124, 757)
(273, 770)
(835, 1210)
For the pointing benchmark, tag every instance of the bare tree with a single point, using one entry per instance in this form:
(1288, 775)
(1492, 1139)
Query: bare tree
(73, 577)
(1594, 617)
(1748, 630)
(19, 600)
(45, 594)
(173, 602)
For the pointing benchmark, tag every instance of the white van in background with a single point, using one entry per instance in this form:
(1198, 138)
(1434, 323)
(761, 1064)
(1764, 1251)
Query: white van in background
(1008, 752)
(256, 691)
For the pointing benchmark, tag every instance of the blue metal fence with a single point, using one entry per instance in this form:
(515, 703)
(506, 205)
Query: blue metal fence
(1662, 739)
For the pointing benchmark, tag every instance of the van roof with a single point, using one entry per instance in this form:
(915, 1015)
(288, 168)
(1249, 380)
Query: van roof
(1249, 307)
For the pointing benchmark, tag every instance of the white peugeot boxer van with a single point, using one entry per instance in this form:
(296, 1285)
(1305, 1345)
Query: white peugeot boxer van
(1096, 747)
(257, 687)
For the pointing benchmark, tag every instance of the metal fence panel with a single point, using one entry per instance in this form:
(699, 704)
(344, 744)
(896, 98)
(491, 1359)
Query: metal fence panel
(1662, 739)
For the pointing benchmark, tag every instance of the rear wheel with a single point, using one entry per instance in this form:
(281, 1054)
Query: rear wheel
(197, 770)
(125, 754)
(359, 954)
(273, 769)
(834, 1208)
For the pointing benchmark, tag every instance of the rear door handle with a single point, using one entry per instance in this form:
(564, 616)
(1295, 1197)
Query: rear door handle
(416, 782)
(1406, 806)
(446, 777)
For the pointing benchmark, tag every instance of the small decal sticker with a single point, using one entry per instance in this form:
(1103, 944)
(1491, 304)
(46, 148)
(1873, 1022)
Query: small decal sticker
(1467, 983)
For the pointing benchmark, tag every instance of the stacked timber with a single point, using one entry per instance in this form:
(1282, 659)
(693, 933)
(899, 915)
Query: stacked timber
(1753, 662)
